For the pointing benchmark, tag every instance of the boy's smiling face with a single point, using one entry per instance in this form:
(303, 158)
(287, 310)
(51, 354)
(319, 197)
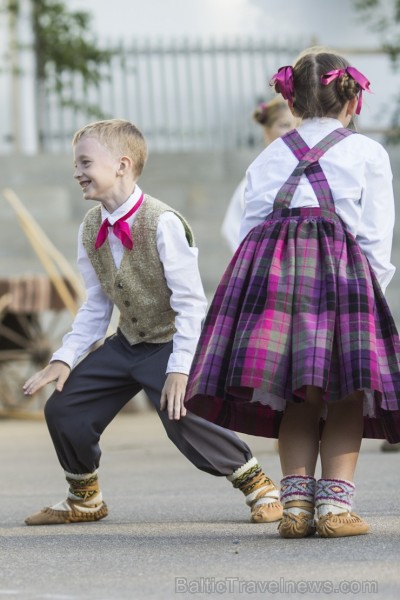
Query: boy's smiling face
(96, 170)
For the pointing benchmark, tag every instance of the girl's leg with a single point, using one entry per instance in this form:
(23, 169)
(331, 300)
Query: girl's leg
(341, 439)
(299, 435)
(298, 449)
(340, 446)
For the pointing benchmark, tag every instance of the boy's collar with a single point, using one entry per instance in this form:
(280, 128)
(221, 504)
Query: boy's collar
(123, 208)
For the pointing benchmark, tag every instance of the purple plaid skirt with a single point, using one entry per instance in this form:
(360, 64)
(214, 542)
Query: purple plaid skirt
(298, 305)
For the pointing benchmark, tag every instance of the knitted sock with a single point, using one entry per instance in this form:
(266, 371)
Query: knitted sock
(334, 495)
(83, 491)
(295, 490)
(255, 485)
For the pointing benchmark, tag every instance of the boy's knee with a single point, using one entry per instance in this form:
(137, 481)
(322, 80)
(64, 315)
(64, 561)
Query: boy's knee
(53, 409)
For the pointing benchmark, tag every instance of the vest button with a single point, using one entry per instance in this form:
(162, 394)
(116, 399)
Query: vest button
(127, 303)
(142, 334)
(134, 320)
(120, 285)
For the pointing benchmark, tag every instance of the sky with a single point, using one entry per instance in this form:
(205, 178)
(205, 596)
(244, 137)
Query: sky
(333, 22)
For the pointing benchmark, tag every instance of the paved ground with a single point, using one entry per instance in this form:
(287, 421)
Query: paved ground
(174, 532)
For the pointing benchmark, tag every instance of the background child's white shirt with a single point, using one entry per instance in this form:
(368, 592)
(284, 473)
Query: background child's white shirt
(183, 279)
(359, 175)
(230, 228)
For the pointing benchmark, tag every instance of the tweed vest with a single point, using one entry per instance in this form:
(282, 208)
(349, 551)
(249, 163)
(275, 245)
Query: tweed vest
(138, 288)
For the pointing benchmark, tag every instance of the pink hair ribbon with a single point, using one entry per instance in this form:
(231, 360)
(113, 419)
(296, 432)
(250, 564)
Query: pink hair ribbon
(354, 74)
(284, 80)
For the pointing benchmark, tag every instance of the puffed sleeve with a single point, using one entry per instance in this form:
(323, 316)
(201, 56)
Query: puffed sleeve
(375, 232)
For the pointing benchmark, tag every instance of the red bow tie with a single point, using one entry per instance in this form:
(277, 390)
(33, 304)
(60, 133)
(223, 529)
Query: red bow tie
(120, 228)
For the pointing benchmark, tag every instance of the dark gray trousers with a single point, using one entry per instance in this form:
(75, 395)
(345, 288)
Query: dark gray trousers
(103, 383)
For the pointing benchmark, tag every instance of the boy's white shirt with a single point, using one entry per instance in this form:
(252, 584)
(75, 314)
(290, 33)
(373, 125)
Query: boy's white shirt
(180, 263)
(359, 175)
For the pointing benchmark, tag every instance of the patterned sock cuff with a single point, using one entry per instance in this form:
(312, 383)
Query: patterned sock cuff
(253, 483)
(336, 492)
(297, 487)
(79, 476)
(238, 474)
(82, 487)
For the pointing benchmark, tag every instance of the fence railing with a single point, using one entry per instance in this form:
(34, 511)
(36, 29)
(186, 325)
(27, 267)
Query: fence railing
(182, 94)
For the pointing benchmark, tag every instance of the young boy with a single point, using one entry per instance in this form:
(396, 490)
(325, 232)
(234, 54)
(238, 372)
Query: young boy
(137, 253)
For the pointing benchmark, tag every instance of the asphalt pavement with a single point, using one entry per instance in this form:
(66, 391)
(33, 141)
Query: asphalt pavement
(174, 532)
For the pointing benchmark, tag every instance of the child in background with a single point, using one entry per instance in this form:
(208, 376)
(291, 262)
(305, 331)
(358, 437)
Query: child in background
(137, 253)
(299, 341)
(276, 119)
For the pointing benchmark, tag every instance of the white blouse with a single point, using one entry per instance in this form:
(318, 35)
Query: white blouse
(359, 175)
(230, 227)
(183, 279)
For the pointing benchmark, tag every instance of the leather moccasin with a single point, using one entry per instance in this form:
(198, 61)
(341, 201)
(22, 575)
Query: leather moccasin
(296, 526)
(341, 525)
(267, 512)
(50, 516)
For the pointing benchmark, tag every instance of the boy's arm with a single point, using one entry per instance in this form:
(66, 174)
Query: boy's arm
(93, 318)
(187, 300)
(89, 326)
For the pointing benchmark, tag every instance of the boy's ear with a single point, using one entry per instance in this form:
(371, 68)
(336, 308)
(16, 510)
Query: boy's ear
(125, 165)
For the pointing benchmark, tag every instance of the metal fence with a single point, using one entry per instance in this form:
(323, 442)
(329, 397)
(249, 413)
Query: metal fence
(183, 94)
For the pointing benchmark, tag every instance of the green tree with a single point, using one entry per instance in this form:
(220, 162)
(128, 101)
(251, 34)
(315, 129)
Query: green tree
(63, 44)
(383, 16)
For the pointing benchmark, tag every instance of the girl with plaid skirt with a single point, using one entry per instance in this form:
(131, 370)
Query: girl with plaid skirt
(299, 342)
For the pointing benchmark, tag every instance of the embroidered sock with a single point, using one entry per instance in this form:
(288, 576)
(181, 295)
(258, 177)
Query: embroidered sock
(297, 494)
(255, 485)
(334, 496)
(83, 491)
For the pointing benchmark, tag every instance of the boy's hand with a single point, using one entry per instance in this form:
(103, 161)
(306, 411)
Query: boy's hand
(173, 394)
(56, 371)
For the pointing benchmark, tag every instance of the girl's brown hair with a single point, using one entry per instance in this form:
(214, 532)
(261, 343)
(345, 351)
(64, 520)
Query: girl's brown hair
(311, 98)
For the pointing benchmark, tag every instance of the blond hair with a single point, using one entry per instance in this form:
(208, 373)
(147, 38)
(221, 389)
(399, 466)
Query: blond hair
(120, 137)
(266, 113)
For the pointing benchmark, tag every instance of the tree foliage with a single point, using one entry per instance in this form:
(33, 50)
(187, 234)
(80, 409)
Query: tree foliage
(384, 17)
(62, 39)
(63, 45)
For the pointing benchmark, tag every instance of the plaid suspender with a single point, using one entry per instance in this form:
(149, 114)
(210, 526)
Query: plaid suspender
(309, 166)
